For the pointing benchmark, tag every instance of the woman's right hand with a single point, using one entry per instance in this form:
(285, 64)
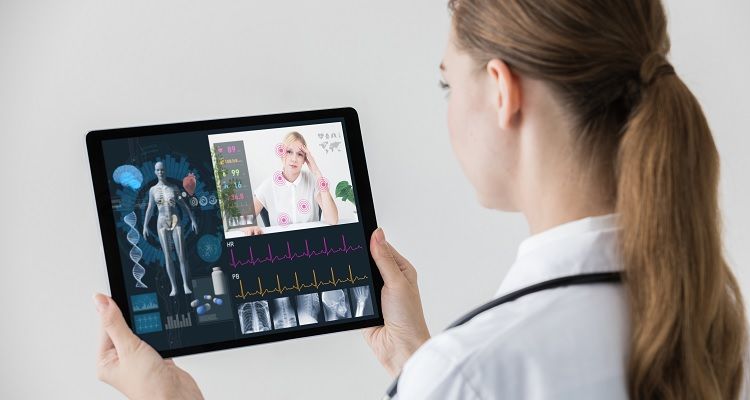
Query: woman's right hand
(133, 367)
(252, 231)
(405, 329)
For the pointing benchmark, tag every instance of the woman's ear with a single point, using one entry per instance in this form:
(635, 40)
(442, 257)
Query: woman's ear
(505, 91)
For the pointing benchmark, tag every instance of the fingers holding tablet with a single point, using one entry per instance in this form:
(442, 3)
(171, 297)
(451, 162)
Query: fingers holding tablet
(252, 231)
(405, 329)
(132, 366)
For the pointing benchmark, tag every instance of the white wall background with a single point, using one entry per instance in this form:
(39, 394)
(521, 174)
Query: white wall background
(78, 65)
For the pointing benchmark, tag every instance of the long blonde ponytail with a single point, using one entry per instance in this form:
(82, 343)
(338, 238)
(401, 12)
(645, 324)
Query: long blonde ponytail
(647, 134)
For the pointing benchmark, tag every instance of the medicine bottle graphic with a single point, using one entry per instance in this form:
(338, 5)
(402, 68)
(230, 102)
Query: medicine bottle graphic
(220, 285)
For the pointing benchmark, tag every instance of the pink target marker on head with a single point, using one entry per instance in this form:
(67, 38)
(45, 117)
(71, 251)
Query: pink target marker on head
(283, 219)
(323, 184)
(280, 150)
(303, 206)
(278, 178)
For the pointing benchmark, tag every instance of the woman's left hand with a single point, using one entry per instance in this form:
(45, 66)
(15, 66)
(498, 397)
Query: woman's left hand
(310, 160)
(133, 367)
(405, 329)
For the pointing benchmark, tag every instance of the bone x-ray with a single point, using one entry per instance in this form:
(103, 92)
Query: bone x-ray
(308, 308)
(336, 305)
(254, 317)
(361, 300)
(283, 313)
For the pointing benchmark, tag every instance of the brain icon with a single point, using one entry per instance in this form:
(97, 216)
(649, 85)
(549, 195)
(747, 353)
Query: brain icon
(128, 176)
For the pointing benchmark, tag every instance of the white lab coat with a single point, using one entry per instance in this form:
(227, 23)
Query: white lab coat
(562, 343)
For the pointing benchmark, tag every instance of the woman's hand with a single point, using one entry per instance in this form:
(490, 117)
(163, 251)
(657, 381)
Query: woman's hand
(252, 231)
(310, 160)
(133, 367)
(405, 328)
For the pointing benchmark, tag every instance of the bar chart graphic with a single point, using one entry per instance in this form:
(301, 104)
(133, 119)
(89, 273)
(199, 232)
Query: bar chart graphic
(178, 321)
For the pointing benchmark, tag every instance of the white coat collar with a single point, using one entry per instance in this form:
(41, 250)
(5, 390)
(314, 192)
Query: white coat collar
(583, 246)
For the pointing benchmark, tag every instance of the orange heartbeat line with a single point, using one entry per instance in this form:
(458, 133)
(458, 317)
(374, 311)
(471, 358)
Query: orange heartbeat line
(297, 286)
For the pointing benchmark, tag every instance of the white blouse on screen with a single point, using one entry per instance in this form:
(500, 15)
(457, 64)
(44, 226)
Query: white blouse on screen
(562, 343)
(295, 200)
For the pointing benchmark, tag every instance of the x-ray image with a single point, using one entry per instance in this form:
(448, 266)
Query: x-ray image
(336, 305)
(361, 300)
(254, 317)
(283, 313)
(308, 308)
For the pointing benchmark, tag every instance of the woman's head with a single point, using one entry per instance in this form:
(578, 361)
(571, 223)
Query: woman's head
(522, 73)
(293, 157)
(159, 170)
(486, 147)
(546, 90)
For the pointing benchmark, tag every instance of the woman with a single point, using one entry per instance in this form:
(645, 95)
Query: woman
(567, 111)
(294, 195)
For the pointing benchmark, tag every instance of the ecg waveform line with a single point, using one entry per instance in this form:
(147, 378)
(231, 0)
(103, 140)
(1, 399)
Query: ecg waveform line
(289, 255)
(298, 286)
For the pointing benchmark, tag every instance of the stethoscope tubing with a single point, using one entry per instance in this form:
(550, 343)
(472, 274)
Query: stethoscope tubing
(579, 279)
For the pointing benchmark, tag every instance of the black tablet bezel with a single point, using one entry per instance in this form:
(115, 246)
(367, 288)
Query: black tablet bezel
(366, 211)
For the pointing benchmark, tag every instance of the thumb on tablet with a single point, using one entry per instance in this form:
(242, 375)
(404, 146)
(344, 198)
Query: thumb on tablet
(114, 324)
(381, 253)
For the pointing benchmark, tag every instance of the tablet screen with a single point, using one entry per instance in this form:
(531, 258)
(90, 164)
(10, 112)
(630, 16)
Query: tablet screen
(237, 233)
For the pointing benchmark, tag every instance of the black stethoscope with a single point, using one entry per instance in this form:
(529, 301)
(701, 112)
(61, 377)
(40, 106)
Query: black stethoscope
(599, 277)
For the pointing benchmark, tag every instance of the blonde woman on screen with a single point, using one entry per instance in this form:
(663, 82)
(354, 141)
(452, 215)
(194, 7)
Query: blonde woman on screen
(568, 112)
(294, 194)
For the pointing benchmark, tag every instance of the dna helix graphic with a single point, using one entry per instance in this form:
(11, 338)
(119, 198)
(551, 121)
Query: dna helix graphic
(136, 253)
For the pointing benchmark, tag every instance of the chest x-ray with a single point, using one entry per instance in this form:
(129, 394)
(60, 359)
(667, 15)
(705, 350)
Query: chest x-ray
(254, 317)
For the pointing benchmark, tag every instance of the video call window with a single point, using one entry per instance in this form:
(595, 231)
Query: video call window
(282, 179)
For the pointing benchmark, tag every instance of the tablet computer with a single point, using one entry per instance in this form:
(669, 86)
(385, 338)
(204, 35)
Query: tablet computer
(233, 232)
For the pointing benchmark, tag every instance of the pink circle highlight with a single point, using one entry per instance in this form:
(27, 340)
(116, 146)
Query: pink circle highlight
(323, 184)
(283, 219)
(280, 150)
(278, 178)
(303, 206)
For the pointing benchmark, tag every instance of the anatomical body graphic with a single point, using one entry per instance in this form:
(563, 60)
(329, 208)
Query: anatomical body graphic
(166, 197)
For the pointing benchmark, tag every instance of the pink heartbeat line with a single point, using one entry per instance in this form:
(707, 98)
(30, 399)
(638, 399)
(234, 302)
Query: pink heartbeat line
(289, 256)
